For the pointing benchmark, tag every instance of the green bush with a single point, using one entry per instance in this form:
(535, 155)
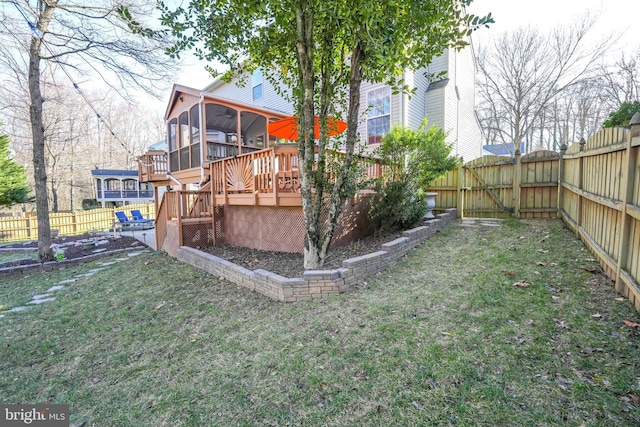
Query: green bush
(397, 204)
(88, 204)
(622, 116)
(414, 159)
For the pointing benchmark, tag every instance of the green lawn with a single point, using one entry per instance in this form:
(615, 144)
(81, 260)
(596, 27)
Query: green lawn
(441, 339)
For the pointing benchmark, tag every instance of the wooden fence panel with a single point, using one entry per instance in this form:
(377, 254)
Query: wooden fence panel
(600, 202)
(635, 165)
(487, 187)
(490, 187)
(633, 258)
(14, 229)
(539, 185)
(447, 189)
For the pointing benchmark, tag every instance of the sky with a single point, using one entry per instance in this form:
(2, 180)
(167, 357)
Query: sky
(613, 16)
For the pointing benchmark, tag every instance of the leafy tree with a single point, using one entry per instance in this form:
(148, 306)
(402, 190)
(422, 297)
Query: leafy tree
(622, 116)
(13, 179)
(322, 51)
(77, 36)
(422, 154)
(414, 159)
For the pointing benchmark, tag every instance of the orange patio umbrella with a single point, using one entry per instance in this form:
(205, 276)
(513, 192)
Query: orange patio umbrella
(287, 128)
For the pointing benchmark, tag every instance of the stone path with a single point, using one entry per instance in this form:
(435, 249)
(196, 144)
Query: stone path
(48, 296)
(480, 222)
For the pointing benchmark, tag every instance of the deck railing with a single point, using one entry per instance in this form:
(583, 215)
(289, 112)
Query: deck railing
(153, 166)
(195, 204)
(271, 176)
(161, 222)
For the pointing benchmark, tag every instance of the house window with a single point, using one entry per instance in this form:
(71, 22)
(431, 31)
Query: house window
(194, 131)
(172, 135)
(378, 114)
(185, 136)
(184, 140)
(256, 84)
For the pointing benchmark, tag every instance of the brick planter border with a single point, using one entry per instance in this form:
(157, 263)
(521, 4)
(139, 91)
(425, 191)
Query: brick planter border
(59, 265)
(317, 283)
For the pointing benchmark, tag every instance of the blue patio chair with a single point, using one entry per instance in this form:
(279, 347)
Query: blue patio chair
(122, 217)
(131, 224)
(137, 216)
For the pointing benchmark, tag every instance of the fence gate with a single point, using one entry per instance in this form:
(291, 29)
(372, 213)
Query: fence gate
(487, 187)
(502, 187)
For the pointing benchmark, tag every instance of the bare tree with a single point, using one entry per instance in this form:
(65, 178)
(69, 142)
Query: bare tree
(80, 37)
(523, 72)
(76, 141)
(621, 81)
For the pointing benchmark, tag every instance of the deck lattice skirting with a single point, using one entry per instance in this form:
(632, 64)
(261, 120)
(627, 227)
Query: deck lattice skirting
(317, 283)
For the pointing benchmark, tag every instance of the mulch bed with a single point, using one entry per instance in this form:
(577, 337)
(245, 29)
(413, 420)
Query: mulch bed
(283, 263)
(79, 246)
(292, 264)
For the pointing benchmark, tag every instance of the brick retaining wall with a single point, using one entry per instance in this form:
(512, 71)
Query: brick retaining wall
(37, 267)
(317, 283)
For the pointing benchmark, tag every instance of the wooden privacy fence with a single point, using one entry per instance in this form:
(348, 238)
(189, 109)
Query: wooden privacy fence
(26, 228)
(598, 196)
(600, 202)
(501, 187)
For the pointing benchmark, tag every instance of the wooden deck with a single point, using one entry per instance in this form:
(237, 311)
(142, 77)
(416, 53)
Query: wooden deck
(153, 166)
(267, 178)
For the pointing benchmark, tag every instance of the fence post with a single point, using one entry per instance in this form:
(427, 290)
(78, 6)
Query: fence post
(180, 206)
(29, 231)
(626, 192)
(580, 181)
(517, 178)
(563, 150)
(460, 191)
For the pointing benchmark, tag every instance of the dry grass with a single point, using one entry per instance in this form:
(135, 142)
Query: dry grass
(441, 339)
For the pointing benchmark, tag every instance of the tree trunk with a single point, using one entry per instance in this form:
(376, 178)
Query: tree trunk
(306, 145)
(337, 198)
(54, 197)
(71, 173)
(37, 129)
(319, 231)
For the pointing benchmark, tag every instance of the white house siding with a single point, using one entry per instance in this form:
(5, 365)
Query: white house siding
(439, 64)
(451, 111)
(468, 128)
(415, 104)
(451, 106)
(233, 91)
(434, 107)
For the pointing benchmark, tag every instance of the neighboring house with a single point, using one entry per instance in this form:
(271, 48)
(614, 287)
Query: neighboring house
(116, 188)
(448, 102)
(500, 150)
